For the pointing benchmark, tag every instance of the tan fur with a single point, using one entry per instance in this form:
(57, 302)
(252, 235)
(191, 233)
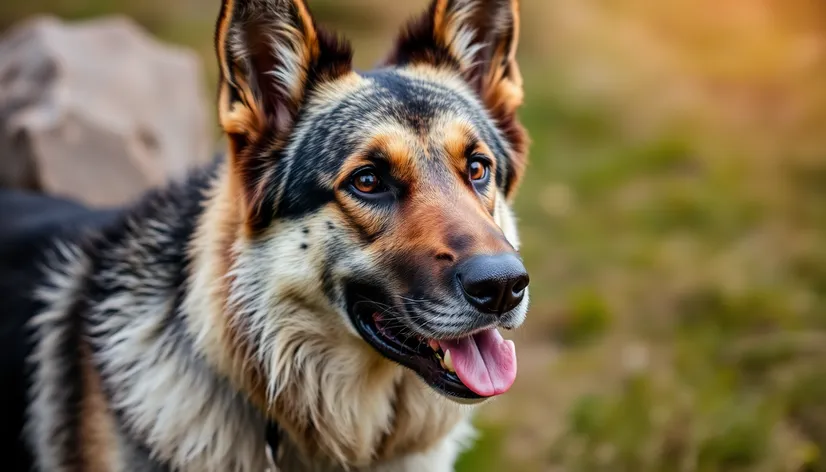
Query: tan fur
(332, 91)
(224, 19)
(421, 421)
(439, 21)
(430, 219)
(97, 429)
(395, 143)
(503, 84)
(456, 136)
(364, 408)
(241, 118)
(213, 255)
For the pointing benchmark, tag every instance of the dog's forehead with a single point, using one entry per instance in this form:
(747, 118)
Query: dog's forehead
(338, 123)
(416, 102)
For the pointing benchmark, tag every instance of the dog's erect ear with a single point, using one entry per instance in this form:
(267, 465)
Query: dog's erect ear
(478, 38)
(271, 55)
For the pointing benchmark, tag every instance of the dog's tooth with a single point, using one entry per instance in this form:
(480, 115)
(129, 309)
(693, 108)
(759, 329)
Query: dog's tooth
(433, 345)
(448, 362)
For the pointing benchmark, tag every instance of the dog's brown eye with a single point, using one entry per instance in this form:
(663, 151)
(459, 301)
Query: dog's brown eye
(477, 170)
(366, 181)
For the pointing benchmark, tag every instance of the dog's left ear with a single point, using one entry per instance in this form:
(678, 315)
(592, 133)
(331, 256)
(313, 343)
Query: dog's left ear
(271, 56)
(479, 39)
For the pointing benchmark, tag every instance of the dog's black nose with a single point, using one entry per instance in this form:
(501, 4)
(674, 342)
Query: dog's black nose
(493, 284)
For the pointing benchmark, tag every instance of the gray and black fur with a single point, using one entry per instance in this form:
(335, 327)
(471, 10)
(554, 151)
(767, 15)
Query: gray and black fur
(175, 333)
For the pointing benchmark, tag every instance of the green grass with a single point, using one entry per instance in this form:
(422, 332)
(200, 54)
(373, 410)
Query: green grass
(487, 451)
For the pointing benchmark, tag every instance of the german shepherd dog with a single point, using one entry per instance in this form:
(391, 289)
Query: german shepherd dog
(333, 287)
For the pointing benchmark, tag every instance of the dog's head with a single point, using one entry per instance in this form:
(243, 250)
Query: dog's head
(378, 202)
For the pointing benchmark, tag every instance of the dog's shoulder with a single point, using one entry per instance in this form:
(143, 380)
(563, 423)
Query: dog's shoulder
(29, 225)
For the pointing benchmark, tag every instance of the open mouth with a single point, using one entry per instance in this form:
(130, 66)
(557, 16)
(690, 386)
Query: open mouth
(470, 368)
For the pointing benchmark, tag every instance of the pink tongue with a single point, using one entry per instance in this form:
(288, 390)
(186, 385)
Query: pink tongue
(484, 362)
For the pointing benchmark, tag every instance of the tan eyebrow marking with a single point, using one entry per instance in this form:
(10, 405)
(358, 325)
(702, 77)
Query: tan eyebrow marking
(393, 144)
(460, 140)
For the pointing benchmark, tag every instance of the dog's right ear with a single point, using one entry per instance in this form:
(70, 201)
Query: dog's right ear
(478, 38)
(271, 54)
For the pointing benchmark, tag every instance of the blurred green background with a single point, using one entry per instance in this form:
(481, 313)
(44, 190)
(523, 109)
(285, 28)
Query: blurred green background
(674, 223)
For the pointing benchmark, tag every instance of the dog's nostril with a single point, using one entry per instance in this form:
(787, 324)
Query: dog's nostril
(485, 288)
(520, 285)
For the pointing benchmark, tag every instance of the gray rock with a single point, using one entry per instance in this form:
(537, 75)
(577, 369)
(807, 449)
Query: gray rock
(98, 111)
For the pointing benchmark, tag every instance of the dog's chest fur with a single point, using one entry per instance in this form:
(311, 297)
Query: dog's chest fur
(120, 382)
